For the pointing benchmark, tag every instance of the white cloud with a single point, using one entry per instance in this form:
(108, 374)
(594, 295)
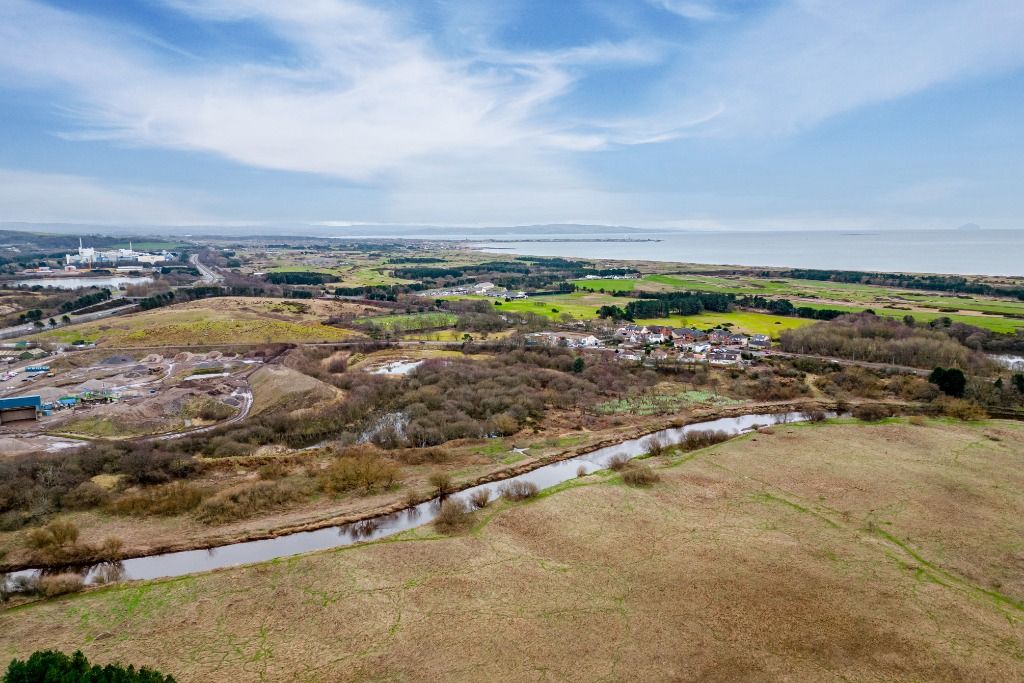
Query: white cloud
(810, 60)
(363, 96)
(690, 9)
(57, 198)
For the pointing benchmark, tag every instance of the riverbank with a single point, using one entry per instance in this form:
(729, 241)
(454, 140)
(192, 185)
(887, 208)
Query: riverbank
(389, 505)
(828, 551)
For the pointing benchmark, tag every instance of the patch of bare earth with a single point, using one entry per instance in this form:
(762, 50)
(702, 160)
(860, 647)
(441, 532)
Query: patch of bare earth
(759, 559)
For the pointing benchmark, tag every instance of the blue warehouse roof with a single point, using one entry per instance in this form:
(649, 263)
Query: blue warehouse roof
(20, 402)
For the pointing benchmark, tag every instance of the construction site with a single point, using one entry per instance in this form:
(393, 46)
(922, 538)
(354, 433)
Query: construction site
(68, 399)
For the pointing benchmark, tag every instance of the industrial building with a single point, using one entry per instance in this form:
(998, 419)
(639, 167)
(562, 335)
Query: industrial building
(19, 408)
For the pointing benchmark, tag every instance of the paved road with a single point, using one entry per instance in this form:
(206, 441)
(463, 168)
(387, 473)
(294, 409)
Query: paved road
(208, 274)
(22, 330)
(847, 362)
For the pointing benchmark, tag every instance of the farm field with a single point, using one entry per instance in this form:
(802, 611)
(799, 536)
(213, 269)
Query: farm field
(409, 322)
(220, 320)
(742, 321)
(581, 305)
(773, 556)
(994, 323)
(837, 295)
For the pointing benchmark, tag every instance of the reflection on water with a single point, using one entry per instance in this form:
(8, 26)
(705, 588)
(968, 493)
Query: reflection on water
(191, 561)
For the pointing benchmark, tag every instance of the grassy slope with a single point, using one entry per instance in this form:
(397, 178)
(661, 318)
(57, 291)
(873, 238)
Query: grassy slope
(770, 557)
(211, 321)
(410, 321)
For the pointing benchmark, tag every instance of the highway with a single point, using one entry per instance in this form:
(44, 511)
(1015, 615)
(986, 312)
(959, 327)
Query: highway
(209, 275)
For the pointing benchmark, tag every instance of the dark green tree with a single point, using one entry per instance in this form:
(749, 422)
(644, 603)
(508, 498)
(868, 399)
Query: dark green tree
(1018, 381)
(578, 364)
(950, 381)
(51, 666)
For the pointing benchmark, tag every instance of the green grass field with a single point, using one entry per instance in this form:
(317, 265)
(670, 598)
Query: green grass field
(852, 298)
(742, 321)
(608, 285)
(581, 305)
(995, 323)
(410, 322)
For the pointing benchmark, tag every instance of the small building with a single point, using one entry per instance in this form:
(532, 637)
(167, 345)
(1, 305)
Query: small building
(19, 408)
(687, 334)
(723, 357)
(760, 341)
(738, 340)
(719, 336)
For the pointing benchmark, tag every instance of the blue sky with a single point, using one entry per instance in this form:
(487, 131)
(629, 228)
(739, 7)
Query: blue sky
(662, 113)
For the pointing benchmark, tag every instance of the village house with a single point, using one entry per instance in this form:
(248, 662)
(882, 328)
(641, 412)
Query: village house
(719, 336)
(723, 357)
(686, 334)
(572, 340)
(760, 341)
(738, 340)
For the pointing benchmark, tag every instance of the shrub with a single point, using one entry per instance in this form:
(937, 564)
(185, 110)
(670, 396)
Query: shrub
(917, 421)
(655, 446)
(245, 501)
(950, 381)
(963, 410)
(581, 471)
(618, 462)
(453, 516)
(168, 500)
(640, 475)
(871, 412)
(480, 498)
(50, 586)
(702, 438)
(84, 496)
(50, 665)
(814, 415)
(207, 408)
(519, 490)
(275, 469)
(441, 482)
(111, 548)
(365, 472)
(52, 537)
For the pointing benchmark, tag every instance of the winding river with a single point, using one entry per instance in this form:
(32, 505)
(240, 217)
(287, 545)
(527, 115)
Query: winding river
(185, 562)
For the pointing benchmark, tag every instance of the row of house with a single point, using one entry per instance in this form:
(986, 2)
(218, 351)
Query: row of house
(572, 340)
(477, 289)
(684, 337)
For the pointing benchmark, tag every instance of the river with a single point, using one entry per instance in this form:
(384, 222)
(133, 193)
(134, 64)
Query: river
(192, 561)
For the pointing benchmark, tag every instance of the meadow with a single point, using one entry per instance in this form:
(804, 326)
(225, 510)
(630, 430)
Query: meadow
(741, 321)
(773, 556)
(221, 320)
(997, 315)
(409, 322)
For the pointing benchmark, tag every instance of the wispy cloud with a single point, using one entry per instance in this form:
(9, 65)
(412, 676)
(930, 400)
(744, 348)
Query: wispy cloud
(447, 123)
(364, 97)
(691, 9)
(809, 60)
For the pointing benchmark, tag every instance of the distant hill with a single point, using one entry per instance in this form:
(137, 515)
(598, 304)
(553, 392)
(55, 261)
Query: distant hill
(307, 230)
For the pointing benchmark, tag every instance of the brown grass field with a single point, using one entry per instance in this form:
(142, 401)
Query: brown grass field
(829, 552)
(221, 320)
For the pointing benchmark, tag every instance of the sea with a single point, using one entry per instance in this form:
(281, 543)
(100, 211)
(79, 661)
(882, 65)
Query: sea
(964, 252)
